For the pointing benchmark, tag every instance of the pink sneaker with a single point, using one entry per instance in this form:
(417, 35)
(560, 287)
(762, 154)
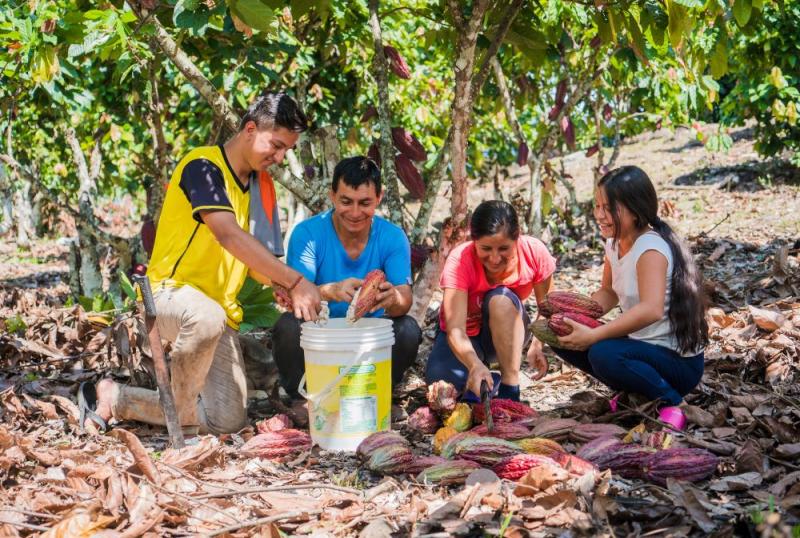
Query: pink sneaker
(673, 416)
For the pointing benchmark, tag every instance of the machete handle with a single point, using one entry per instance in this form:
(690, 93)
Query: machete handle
(147, 295)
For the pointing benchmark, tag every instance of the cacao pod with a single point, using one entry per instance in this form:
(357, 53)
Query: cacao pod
(441, 437)
(377, 440)
(557, 428)
(540, 445)
(442, 397)
(309, 171)
(628, 460)
(688, 464)
(276, 444)
(448, 449)
(389, 459)
(542, 331)
(516, 466)
(419, 255)
(503, 410)
(420, 463)
(461, 418)
(561, 92)
(409, 176)
(522, 154)
(274, 424)
(599, 450)
(367, 295)
(148, 235)
(369, 113)
(407, 144)
(573, 464)
(374, 153)
(503, 430)
(596, 42)
(608, 112)
(562, 328)
(569, 132)
(396, 62)
(423, 420)
(593, 149)
(545, 309)
(555, 110)
(485, 450)
(583, 433)
(568, 301)
(450, 472)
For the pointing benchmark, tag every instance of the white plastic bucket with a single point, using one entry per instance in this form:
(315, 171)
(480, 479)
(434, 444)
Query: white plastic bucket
(348, 380)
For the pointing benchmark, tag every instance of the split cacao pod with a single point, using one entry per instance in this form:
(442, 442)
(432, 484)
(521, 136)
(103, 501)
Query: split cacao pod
(583, 433)
(503, 430)
(389, 459)
(542, 331)
(274, 424)
(377, 440)
(367, 295)
(562, 328)
(278, 444)
(441, 437)
(688, 464)
(573, 464)
(442, 397)
(282, 296)
(409, 176)
(540, 445)
(407, 144)
(397, 63)
(568, 301)
(503, 410)
(423, 420)
(448, 473)
(556, 428)
(461, 418)
(485, 450)
(516, 466)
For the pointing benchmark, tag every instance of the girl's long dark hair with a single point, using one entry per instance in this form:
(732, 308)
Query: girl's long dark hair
(630, 186)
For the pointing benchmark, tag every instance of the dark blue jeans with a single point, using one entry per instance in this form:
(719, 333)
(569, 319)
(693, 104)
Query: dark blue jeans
(443, 363)
(629, 365)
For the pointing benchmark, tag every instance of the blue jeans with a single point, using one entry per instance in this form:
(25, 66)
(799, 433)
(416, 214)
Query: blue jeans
(629, 365)
(443, 363)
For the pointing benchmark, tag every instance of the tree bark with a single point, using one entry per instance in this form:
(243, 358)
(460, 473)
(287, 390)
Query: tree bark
(158, 189)
(388, 172)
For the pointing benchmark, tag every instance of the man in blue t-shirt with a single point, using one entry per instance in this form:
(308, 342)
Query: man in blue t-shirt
(335, 250)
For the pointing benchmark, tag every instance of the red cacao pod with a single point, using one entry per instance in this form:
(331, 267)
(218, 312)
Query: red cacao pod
(561, 92)
(367, 295)
(419, 255)
(573, 464)
(369, 113)
(516, 466)
(278, 444)
(485, 450)
(522, 154)
(274, 424)
(409, 176)
(423, 420)
(407, 144)
(568, 301)
(608, 112)
(503, 430)
(688, 464)
(583, 433)
(545, 309)
(148, 236)
(374, 153)
(554, 112)
(628, 460)
(503, 410)
(569, 132)
(599, 449)
(420, 463)
(556, 428)
(562, 328)
(596, 42)
(397, 64)
(593, 149)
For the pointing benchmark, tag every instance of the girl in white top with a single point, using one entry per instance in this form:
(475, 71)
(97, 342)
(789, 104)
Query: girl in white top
(655, 347)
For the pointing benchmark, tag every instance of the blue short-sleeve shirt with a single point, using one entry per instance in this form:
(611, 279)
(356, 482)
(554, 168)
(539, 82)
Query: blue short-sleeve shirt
(316, 251)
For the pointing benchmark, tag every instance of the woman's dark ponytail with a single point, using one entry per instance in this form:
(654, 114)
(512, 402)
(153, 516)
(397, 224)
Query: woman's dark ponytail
(630, 186)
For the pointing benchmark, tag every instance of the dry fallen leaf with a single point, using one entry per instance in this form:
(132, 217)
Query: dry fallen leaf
(140, 455)
(540, 479)
(767, 319)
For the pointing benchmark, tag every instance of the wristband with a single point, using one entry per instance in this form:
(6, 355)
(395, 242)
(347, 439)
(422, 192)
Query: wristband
(296, 282)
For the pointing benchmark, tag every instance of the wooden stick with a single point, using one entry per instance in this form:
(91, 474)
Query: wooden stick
(264, 520)
(25, 525)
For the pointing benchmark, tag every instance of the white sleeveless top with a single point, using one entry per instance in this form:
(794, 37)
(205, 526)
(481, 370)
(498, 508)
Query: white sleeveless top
(625, 283)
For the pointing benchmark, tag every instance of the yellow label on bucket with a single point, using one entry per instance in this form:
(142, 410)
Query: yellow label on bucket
(360, 403)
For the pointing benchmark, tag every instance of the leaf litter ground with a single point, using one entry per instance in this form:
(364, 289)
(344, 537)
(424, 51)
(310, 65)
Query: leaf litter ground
(743, 228)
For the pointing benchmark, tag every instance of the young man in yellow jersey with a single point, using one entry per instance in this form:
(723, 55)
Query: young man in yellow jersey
(203, 252)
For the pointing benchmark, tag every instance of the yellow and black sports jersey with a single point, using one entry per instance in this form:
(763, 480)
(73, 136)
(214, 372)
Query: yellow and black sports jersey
(185, 251)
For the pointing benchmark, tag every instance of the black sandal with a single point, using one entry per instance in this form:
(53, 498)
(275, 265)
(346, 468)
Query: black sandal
(87, 404)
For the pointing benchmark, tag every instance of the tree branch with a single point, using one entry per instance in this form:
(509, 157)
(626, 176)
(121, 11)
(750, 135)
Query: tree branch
(497, 41)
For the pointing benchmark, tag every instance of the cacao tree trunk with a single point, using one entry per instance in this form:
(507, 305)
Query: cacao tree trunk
(23, 212)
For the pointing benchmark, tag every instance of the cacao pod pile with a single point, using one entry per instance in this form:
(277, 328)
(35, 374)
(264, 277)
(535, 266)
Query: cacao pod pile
(485, 450)
(461, 418)
(442, 397)
(423, 420)
(583, 433)
(397, 64)
(688, 464)
(272, 445)
(420, 463)
(377, 440)
(503, 410)
(450, 472)
(562, 328)
(274, 424)
(540, 445)
(367, 296)
(409, 176)
(556, 428)
(504, 430)
(516, 466)
(441, 437)
(407, 144)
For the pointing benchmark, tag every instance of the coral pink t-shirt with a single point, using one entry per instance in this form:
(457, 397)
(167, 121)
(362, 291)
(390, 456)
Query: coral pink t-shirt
(464, 271)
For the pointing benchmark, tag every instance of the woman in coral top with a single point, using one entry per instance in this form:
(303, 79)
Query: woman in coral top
(655, 346)
(482, 318)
